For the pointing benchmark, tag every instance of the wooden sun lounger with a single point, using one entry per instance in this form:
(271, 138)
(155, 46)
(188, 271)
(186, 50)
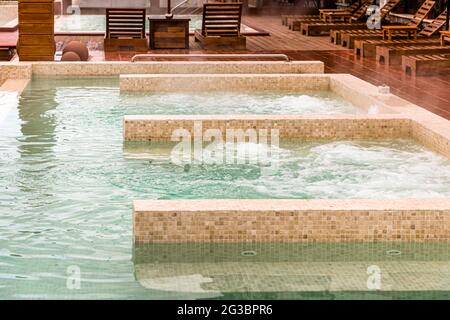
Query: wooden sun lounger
(413, 24)
(391, 55)
(366, 47)
(355, 16)
(295, 24)
(221, 26)
(323, 28)
(319, 28)
(125, 28)
(347, 38)
(419, 65)
(352, 8)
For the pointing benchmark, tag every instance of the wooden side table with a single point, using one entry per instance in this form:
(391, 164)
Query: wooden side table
(389, 30)
(169, 33)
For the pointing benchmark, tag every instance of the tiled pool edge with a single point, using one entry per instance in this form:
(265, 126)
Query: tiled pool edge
(161, 128)
(22, 70)
(242, 220)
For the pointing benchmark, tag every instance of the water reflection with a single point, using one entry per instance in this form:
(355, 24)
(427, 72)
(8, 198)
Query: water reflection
(37, 141)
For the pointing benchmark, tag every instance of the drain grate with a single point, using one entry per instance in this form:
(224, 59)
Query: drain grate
(248, 253)
(393, 252)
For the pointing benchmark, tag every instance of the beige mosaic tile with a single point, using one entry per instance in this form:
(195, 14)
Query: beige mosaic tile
(161, 221)
(14, 70)
(223, 82)
(174, 67)
(161, 128)
(261, 276)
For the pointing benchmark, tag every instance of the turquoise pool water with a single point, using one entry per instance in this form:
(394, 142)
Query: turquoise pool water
(97, 23)
(67, 182)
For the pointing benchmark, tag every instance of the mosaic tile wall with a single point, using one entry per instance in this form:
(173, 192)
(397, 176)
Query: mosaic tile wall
(223, 82)
(14, 71)
(159, 221)
(174, 67)
(161, 128)
(432, 139)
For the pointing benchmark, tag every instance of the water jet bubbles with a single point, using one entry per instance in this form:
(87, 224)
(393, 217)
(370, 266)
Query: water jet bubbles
(373, 109)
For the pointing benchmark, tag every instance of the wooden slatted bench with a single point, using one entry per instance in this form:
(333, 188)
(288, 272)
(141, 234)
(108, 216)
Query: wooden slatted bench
(221, 27)
(418, 65)
(348, 39)
(413, 24)
(125, 28)
(393, 54)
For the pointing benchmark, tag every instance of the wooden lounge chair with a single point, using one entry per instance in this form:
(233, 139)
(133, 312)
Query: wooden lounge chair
(413, 24)
(343, 15)
(367, 47)
(125, 28)
(221, 27)
(324, 28)
(316, 28)
(348, 37)
(419, 65)
(393, 54)
(352, 8)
